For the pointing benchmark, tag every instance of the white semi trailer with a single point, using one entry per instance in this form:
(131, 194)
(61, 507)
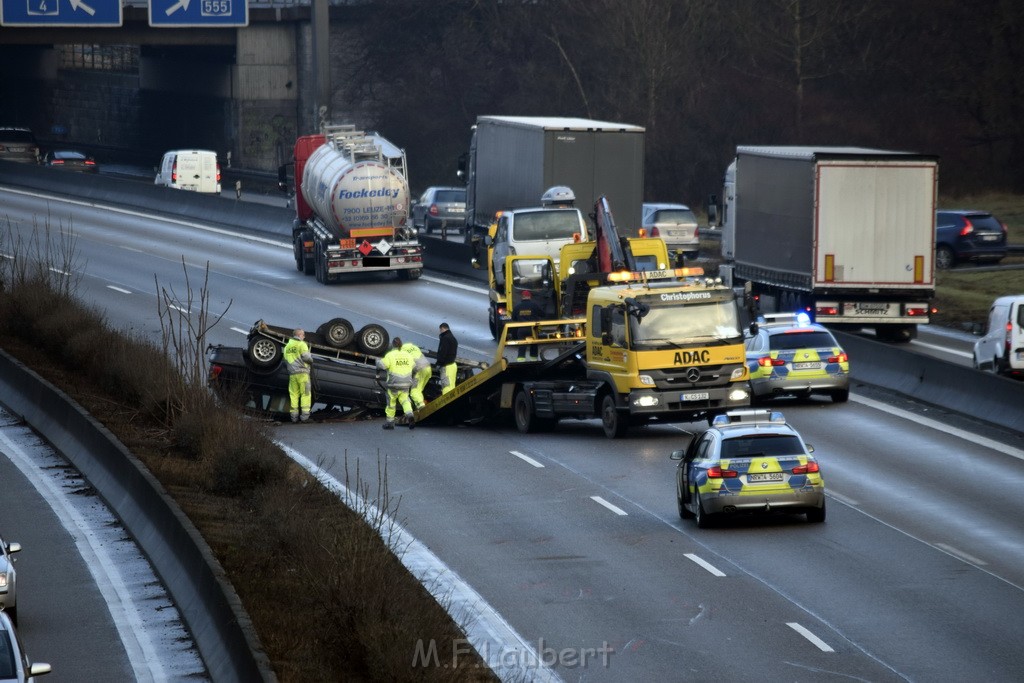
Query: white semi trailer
(846, 234)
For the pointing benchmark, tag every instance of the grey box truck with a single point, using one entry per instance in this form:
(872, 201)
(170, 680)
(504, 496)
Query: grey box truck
(512, 160)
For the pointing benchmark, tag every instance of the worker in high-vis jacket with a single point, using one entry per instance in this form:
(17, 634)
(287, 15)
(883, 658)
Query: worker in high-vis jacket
(421, 372)
(399, 366)
(299, 361)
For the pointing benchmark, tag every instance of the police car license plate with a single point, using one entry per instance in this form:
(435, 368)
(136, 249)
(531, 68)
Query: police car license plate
(765, 476)
(695, 396)
(807, 366)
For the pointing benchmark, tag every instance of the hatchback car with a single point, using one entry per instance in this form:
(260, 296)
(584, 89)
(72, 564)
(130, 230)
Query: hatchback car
(676, 225)
(968, 236)
(748, 461)
(797, 359)
(19, 144)
(70, 160)
(9, 579)
(15, 665)
(440, 206)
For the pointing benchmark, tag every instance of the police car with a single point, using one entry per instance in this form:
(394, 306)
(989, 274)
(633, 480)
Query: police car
(790, 356)
(748, 461)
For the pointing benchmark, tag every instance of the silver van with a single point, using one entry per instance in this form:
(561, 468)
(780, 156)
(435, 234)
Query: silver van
(19, 144)
(1001, 347)
(190, 169)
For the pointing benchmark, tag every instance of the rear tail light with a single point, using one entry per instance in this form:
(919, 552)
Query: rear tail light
(917, 311)
(1009, 336)
(968, 227)
(57, 162)
(655, 232)
(215, 371)
(433, 210)
(841, 358)
(826, 310)
(1003, 226)
(717, 472)
(174, 172)
(218, 172)
(809, 468)
(768, 361)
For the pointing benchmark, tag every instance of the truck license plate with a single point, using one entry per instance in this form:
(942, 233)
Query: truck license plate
(695, 396)
(766, 476)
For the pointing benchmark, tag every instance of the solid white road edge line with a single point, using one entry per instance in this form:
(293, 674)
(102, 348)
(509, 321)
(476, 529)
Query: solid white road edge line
(961, 554)
(707, 565)
(942, 349)
(527, 458)
(142, 654)
(935, 424)
(818, 642)
(507, 653)
(601, 501)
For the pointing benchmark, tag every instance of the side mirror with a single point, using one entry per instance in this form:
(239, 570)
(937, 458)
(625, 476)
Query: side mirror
(677, 455)
(810, 448)
(606, 338)
(753, 328)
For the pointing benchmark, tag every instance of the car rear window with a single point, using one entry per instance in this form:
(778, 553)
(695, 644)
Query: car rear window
(546, 225)
(985, 221)
(451, 196)
(674, 216)
(801, 340)
(14, 135)
(765, 444)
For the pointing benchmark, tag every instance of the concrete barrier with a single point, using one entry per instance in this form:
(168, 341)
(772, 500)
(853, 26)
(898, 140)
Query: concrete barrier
(983, 396)
(194, 579)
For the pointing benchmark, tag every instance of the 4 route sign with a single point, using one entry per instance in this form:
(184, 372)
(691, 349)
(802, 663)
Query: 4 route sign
(198, 13)
(61, 13)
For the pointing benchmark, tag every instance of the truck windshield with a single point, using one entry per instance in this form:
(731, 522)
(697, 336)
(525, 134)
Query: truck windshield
(695, 323)
(558, 224)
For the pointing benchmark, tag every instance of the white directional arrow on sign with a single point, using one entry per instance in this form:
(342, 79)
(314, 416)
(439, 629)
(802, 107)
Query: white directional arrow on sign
(181, 4)
(79, 5)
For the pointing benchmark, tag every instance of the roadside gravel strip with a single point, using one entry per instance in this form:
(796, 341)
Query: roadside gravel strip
(510, 657)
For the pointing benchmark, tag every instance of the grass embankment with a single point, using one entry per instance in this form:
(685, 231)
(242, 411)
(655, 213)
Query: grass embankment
(329, 599)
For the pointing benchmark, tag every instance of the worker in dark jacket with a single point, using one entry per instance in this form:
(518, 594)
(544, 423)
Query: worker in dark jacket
(527, 310)
(298, 360)
(447, 348)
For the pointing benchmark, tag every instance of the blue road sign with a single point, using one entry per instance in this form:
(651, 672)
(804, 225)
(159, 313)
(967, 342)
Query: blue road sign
(60, 13)
(198, 13)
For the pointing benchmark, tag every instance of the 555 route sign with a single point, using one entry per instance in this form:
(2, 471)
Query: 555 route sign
(198, 13)
(60, 13)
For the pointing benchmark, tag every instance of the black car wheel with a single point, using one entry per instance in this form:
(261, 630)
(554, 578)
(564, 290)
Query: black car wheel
(263, 352)
(372, 340)
(704, 520)
(615, 425)
(338, 333)
(817, 515)
(944, 258)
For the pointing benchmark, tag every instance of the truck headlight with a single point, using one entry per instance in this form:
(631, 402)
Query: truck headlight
(738, 395)
(646, 379)
(646, 401)
(739, 372)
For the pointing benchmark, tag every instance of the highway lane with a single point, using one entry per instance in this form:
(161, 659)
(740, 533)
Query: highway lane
(890, 582)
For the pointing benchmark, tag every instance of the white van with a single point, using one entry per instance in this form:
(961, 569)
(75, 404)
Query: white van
(190, 169)
(1001, 347)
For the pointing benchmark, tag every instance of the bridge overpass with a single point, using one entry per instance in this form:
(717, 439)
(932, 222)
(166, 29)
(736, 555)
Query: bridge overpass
(134, 91)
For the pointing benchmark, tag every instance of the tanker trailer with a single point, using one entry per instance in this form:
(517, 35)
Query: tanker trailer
(352, 206)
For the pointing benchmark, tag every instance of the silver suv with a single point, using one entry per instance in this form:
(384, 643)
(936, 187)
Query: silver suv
(19, 144)
(440, 207)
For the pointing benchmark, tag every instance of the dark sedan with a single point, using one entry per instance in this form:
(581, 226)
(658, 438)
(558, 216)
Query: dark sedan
(71, 160)
(962, 236)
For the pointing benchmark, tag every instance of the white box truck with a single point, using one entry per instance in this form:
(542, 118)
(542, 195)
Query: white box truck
(844, 233)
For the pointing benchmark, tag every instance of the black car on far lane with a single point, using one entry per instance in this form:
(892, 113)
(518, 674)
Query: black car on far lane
(962, 235)
(71, 160)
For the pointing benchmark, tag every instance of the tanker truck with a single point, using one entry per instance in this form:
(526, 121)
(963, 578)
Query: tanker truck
(351, 206)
